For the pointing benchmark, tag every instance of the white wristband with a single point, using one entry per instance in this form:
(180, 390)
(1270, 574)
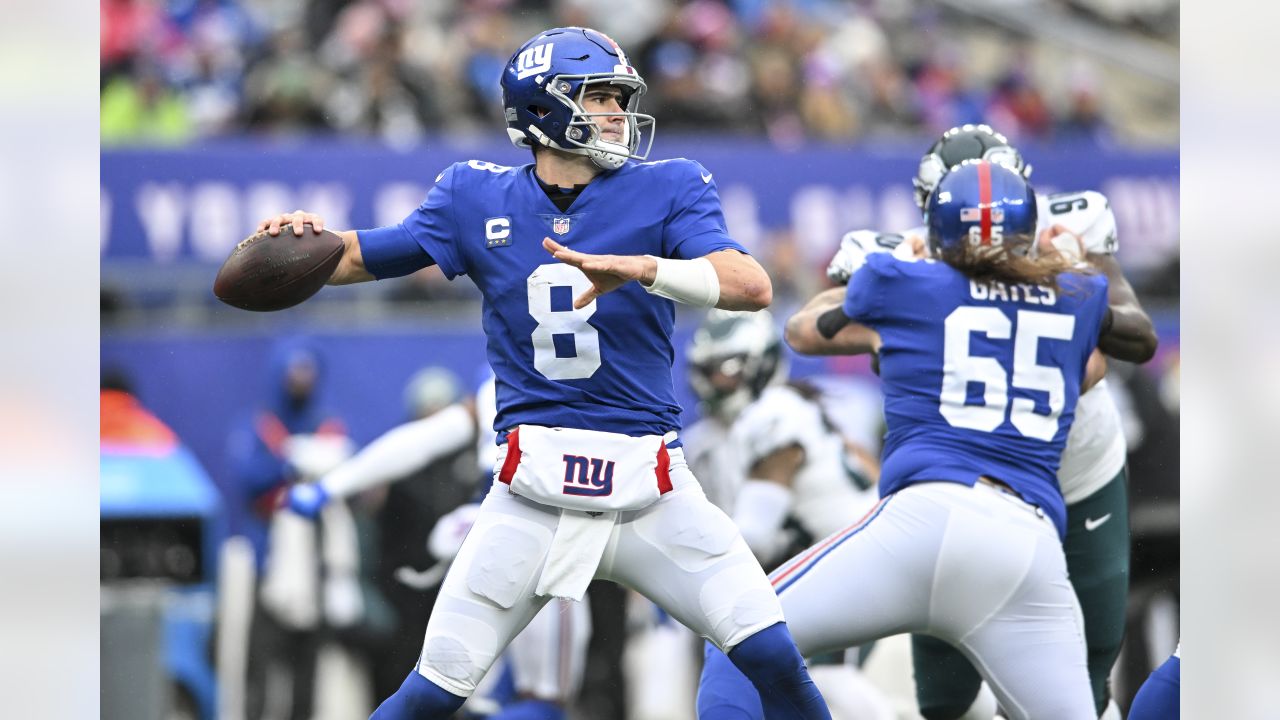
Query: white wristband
(692, 282)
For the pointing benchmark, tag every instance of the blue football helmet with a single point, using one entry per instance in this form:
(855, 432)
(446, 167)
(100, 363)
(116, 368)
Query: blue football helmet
(964, 142)
(542, 89)
(981, 204)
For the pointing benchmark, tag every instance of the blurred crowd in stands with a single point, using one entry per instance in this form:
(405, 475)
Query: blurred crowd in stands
(175, 71)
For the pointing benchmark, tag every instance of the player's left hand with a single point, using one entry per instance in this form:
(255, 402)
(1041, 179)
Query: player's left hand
(606, 272)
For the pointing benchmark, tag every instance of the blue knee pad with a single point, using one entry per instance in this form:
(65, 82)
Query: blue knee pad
(770, 662)
(530, 710)
(1160, 698)
(418, 699)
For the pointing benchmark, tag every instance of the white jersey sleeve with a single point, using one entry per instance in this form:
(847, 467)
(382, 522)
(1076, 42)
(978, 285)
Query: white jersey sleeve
(824, 496)
(402, 450)
(778, 419)
(855, 246)
(1087, 214)
(713, 461)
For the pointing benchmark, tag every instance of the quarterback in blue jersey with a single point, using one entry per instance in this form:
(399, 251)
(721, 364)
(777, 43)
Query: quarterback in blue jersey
(596, 485)
(983, 353)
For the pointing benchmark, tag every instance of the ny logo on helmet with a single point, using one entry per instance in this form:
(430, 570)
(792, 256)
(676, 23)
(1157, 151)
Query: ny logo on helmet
(536, 59)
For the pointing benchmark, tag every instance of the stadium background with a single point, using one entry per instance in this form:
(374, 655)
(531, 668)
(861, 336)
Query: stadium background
(811, 114)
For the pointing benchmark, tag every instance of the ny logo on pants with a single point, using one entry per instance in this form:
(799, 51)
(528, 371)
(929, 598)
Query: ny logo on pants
(591, 477)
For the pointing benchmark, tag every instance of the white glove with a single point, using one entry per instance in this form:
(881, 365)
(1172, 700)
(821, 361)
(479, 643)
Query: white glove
(854, 248)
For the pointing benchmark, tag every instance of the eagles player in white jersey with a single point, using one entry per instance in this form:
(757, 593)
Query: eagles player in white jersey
(770, 457)
(1092, 475)
(787, 460)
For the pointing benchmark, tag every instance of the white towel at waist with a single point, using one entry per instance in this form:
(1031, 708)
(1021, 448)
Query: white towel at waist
(576, 550)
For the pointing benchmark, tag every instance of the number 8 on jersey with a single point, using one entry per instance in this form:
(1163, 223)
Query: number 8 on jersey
(565, 345)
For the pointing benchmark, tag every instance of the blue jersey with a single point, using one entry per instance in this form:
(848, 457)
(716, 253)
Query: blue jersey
(606, 366)
(979, 379)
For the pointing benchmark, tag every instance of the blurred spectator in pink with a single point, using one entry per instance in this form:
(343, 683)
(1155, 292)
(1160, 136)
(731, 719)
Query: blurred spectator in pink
(130, 28)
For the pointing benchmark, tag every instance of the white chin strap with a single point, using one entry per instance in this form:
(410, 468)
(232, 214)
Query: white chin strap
(610, 155)
(607, 160)
(611, 159)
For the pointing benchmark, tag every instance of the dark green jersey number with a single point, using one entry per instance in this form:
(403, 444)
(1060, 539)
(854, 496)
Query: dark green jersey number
(889, 240)
(1061, 207)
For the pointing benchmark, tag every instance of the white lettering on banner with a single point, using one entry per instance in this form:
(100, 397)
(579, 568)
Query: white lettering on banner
(104, 219)
(264, 199)
(160, 208)
(393, 202)
(857, 209)
(898, 209)
(815, 222)
(1146, 210)
(215, 220)
(820, 214)
(222, 214)
(331, 201)
(742, 216)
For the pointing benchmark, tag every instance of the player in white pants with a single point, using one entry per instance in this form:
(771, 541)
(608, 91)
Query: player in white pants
(766, 453)
(547, 659)
(1092, 476)
(966, 542)
(578, 332)
(670, 552)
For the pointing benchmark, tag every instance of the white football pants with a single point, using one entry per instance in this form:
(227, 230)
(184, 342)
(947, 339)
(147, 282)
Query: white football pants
(975, 566)
(681, 552)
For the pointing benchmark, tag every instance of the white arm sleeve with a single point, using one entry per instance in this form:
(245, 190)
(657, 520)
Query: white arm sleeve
(759, 513)
(692, 282)
(402, 450)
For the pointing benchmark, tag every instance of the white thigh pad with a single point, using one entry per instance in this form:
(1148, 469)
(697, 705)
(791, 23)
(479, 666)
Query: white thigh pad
(694, 535)
(507, 556)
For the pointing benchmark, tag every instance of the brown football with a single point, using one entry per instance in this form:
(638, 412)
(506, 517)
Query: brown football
(266, 273)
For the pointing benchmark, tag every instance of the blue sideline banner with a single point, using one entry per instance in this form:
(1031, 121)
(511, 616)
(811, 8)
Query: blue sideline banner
(193, 205)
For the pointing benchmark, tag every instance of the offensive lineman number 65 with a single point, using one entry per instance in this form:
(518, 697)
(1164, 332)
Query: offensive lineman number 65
(961, 368)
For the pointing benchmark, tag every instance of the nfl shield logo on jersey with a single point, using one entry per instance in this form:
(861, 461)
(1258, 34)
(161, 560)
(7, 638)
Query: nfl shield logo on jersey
(560, 225)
